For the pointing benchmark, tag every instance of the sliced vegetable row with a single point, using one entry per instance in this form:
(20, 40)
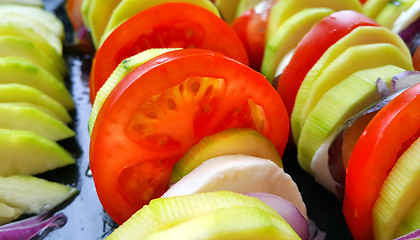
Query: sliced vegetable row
(170, 110)
(342, 79)
(270, 30)
(331, 56)
(330, 66)
(34, 105)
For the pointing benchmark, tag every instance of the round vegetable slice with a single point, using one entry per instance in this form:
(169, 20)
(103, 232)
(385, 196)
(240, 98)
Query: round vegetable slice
(231, 141)
(236, 223)
(388, 135)
(398, 195)
(125, 67)
(284, 9)
(163, 213)
(163, 108)
(180, 25)
(239, 173)
(128, 8)
(312, 47)
(251, 26)
(416, 59)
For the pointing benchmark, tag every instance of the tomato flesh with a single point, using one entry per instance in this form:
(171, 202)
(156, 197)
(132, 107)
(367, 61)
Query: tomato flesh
(164, 107)
(312, 47)
(179, 25)
(386, 137)
(251, 27)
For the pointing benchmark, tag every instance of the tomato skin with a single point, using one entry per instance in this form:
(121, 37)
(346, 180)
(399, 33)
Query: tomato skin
(179, 25)
(75, 15)
(312, 47)
(416, 59)
(113, 153)
(385, 138)
(251, 27)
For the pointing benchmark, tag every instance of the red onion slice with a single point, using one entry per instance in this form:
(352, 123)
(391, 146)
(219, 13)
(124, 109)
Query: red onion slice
(410, 31)
(28, 228)
(405, 80)
(287, 211)
(411, 236)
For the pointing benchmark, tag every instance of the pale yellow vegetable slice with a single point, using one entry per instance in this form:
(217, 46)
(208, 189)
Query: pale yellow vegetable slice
(231, 141)
(30, 118)
(336, 106)
(40, 43)
(410, 222)
(240, 223)
(399, 193)
(372, 7)
(162, 213)
(353, 59)
(48, 19)
(128, 8)
(285, 9)
(35, 3)
(27, 153)
(98, 14)
(33, 195)
(228, 9)
(8, 213)
(23, 48)
(36, 26)
(19, 93)
(391, 11)
(288, 36)
(21, 71)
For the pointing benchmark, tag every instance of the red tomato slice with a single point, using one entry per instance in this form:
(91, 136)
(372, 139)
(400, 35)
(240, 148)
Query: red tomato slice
(394, 128)
(179, 25)
(312, 47)
(75, 15)
(251, 27)
(416, 59)
(164, 107)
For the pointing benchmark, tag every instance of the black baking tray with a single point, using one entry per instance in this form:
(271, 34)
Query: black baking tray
(86, 219)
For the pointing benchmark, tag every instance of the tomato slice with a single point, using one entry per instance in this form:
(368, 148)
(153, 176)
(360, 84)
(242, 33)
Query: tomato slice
(164, 107)
(386, 137)
(251, 27)
(312, 47)
(75, 15)
(416, 59)
(179, 25)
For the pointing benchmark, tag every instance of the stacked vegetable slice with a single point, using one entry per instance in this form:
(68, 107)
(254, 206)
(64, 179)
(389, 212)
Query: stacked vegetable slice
(341, 82)
(382, 140)
(185, 108)
(141, 126)
(34, 105)
(103, 19)
(223, 215)
(400, 16)
(176, 99)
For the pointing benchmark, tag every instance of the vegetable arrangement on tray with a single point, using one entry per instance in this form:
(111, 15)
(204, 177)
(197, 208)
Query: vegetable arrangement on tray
(159, 102)
(34, 109)
(195, 102)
